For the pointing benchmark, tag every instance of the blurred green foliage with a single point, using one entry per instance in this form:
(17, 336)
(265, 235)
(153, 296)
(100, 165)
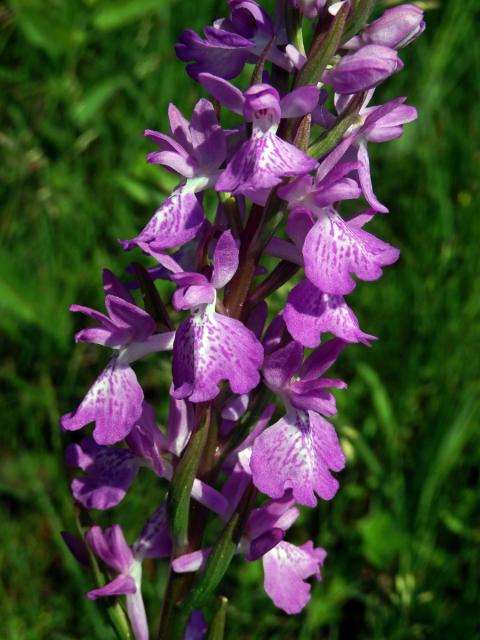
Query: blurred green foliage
(80, 80)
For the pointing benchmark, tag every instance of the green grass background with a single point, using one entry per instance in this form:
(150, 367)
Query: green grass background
(79, 81)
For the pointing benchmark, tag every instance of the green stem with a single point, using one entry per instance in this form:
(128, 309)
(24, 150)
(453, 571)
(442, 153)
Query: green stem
(179, 495)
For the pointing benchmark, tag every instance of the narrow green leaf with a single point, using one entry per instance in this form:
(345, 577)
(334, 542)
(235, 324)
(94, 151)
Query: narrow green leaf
(179, 495)
(95, 99)
(217, 626)
(217, 565)
(154, 304)
(330, 139)
(222, 554)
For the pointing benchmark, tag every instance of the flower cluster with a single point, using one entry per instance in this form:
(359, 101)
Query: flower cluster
(248, 435)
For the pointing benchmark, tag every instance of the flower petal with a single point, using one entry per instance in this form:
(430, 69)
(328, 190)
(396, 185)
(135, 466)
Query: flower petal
(209, 348)
(309, 313)
(111, 547)
(119, 586)
(154, 541)
(334, 248)
(107, 479)
(176, 222)
(260, 164)
(286, 567)
(113, 402)
(297, 453)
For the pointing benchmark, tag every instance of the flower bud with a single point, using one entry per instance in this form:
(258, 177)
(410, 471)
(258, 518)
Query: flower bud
(397, 28)
(364, 69)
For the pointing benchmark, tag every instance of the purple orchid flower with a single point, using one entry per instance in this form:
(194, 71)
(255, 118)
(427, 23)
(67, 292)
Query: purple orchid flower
(299, 450)
(264, 160)
(333, 248)
(210, 347)
(114, 401)
(195, 151)
(126, 563)
(396, 28)
(232, 42)
(378, 124)
(375, 124)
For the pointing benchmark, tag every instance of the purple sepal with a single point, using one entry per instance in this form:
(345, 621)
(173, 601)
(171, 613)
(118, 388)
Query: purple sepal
(109, 473)
(280, 366)
(264, 543)
(125, 323)
(111, 547)
(309, 313)
(146, 441)
(190, 562)
(225, 260)
(396, 28)
(286, 567)
(221, 53)
(180, 424)
(276, 514)
(196, 150)
(112, 286)
(309, 8)
(120, 586)
(235, 408)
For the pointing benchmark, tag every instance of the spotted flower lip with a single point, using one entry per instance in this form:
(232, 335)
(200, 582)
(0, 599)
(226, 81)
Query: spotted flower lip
(309, 313)
(299, 450)
(263, 161)
(334, 248)
(210, 347)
